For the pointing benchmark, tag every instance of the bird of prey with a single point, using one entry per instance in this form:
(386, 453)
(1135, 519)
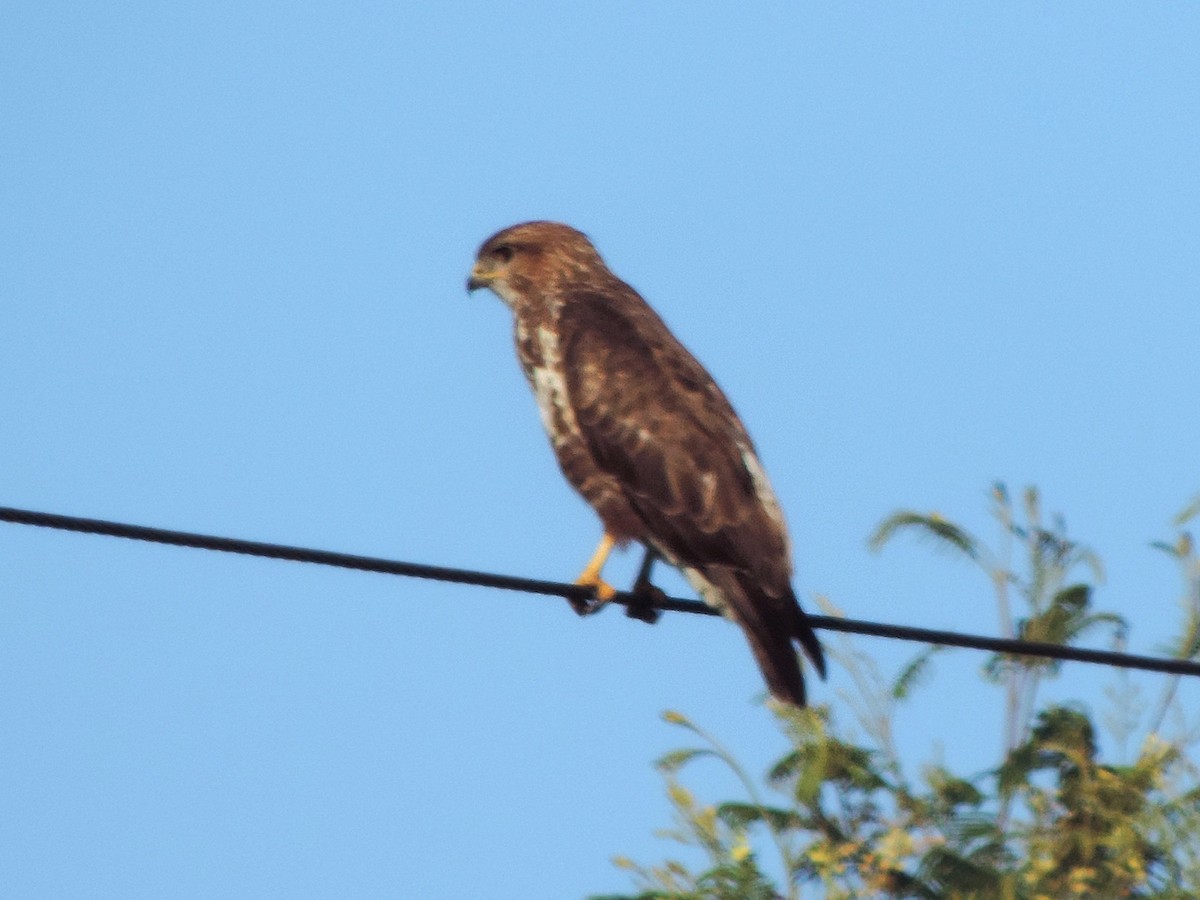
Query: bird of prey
(644, 433)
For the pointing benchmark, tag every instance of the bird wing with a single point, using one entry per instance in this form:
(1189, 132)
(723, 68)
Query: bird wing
(655, 419)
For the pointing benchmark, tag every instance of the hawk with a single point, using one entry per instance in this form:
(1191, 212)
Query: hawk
(644, 433)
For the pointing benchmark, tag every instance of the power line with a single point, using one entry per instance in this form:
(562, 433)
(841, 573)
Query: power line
(639, 605)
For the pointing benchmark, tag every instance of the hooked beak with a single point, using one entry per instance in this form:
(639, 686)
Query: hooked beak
(480, 277)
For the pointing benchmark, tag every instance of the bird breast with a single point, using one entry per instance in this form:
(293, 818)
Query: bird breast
(541, 358)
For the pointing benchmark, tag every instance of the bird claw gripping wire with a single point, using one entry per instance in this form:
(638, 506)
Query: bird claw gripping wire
(645, 599)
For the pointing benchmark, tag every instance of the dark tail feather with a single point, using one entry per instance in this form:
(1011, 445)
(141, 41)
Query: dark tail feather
(771, 624)
(803, 632)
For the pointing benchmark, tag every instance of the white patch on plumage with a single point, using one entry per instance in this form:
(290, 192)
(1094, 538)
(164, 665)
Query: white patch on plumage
(766, 496)
(706, 589)
(550, 388)
(501, 289)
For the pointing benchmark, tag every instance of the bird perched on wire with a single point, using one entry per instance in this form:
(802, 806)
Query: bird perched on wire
(644, 433)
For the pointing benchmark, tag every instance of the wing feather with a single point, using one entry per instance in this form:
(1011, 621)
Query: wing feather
(653, 417)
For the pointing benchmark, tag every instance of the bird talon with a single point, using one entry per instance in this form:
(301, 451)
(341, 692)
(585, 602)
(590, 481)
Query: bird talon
(582, 606)
(646, 601)
(590, 578)
(602, 593)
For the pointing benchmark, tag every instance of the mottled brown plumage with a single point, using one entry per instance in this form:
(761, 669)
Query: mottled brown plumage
(643, 432)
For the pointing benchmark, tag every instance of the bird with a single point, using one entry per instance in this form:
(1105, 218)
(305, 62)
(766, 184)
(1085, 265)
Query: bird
(643, 432)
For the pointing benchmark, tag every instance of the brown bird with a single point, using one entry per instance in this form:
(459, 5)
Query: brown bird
(642, 431)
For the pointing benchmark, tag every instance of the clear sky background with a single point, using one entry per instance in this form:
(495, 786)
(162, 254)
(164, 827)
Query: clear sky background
(922, 246)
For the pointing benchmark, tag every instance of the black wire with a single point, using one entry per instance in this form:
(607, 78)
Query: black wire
(578, 593)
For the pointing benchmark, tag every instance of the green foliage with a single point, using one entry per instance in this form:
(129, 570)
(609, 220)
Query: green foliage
(1057, 609)
(732, 873)
(931, 525)
(1049, 820)
(916, 671)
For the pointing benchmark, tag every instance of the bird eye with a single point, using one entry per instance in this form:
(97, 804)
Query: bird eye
(504, 253)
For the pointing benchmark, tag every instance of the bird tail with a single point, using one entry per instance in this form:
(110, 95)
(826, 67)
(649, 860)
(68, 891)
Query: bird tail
(771, 624)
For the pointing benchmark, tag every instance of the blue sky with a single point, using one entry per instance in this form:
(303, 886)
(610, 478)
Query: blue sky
(923, 247)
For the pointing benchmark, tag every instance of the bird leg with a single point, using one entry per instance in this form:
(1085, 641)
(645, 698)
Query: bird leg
(646, 598)
(590, 577)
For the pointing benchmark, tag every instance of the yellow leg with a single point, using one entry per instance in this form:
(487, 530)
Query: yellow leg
(590, 576)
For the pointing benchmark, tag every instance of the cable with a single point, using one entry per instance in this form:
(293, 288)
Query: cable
(635, 603)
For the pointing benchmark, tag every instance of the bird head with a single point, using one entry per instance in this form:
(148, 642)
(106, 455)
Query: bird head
(522, 261)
